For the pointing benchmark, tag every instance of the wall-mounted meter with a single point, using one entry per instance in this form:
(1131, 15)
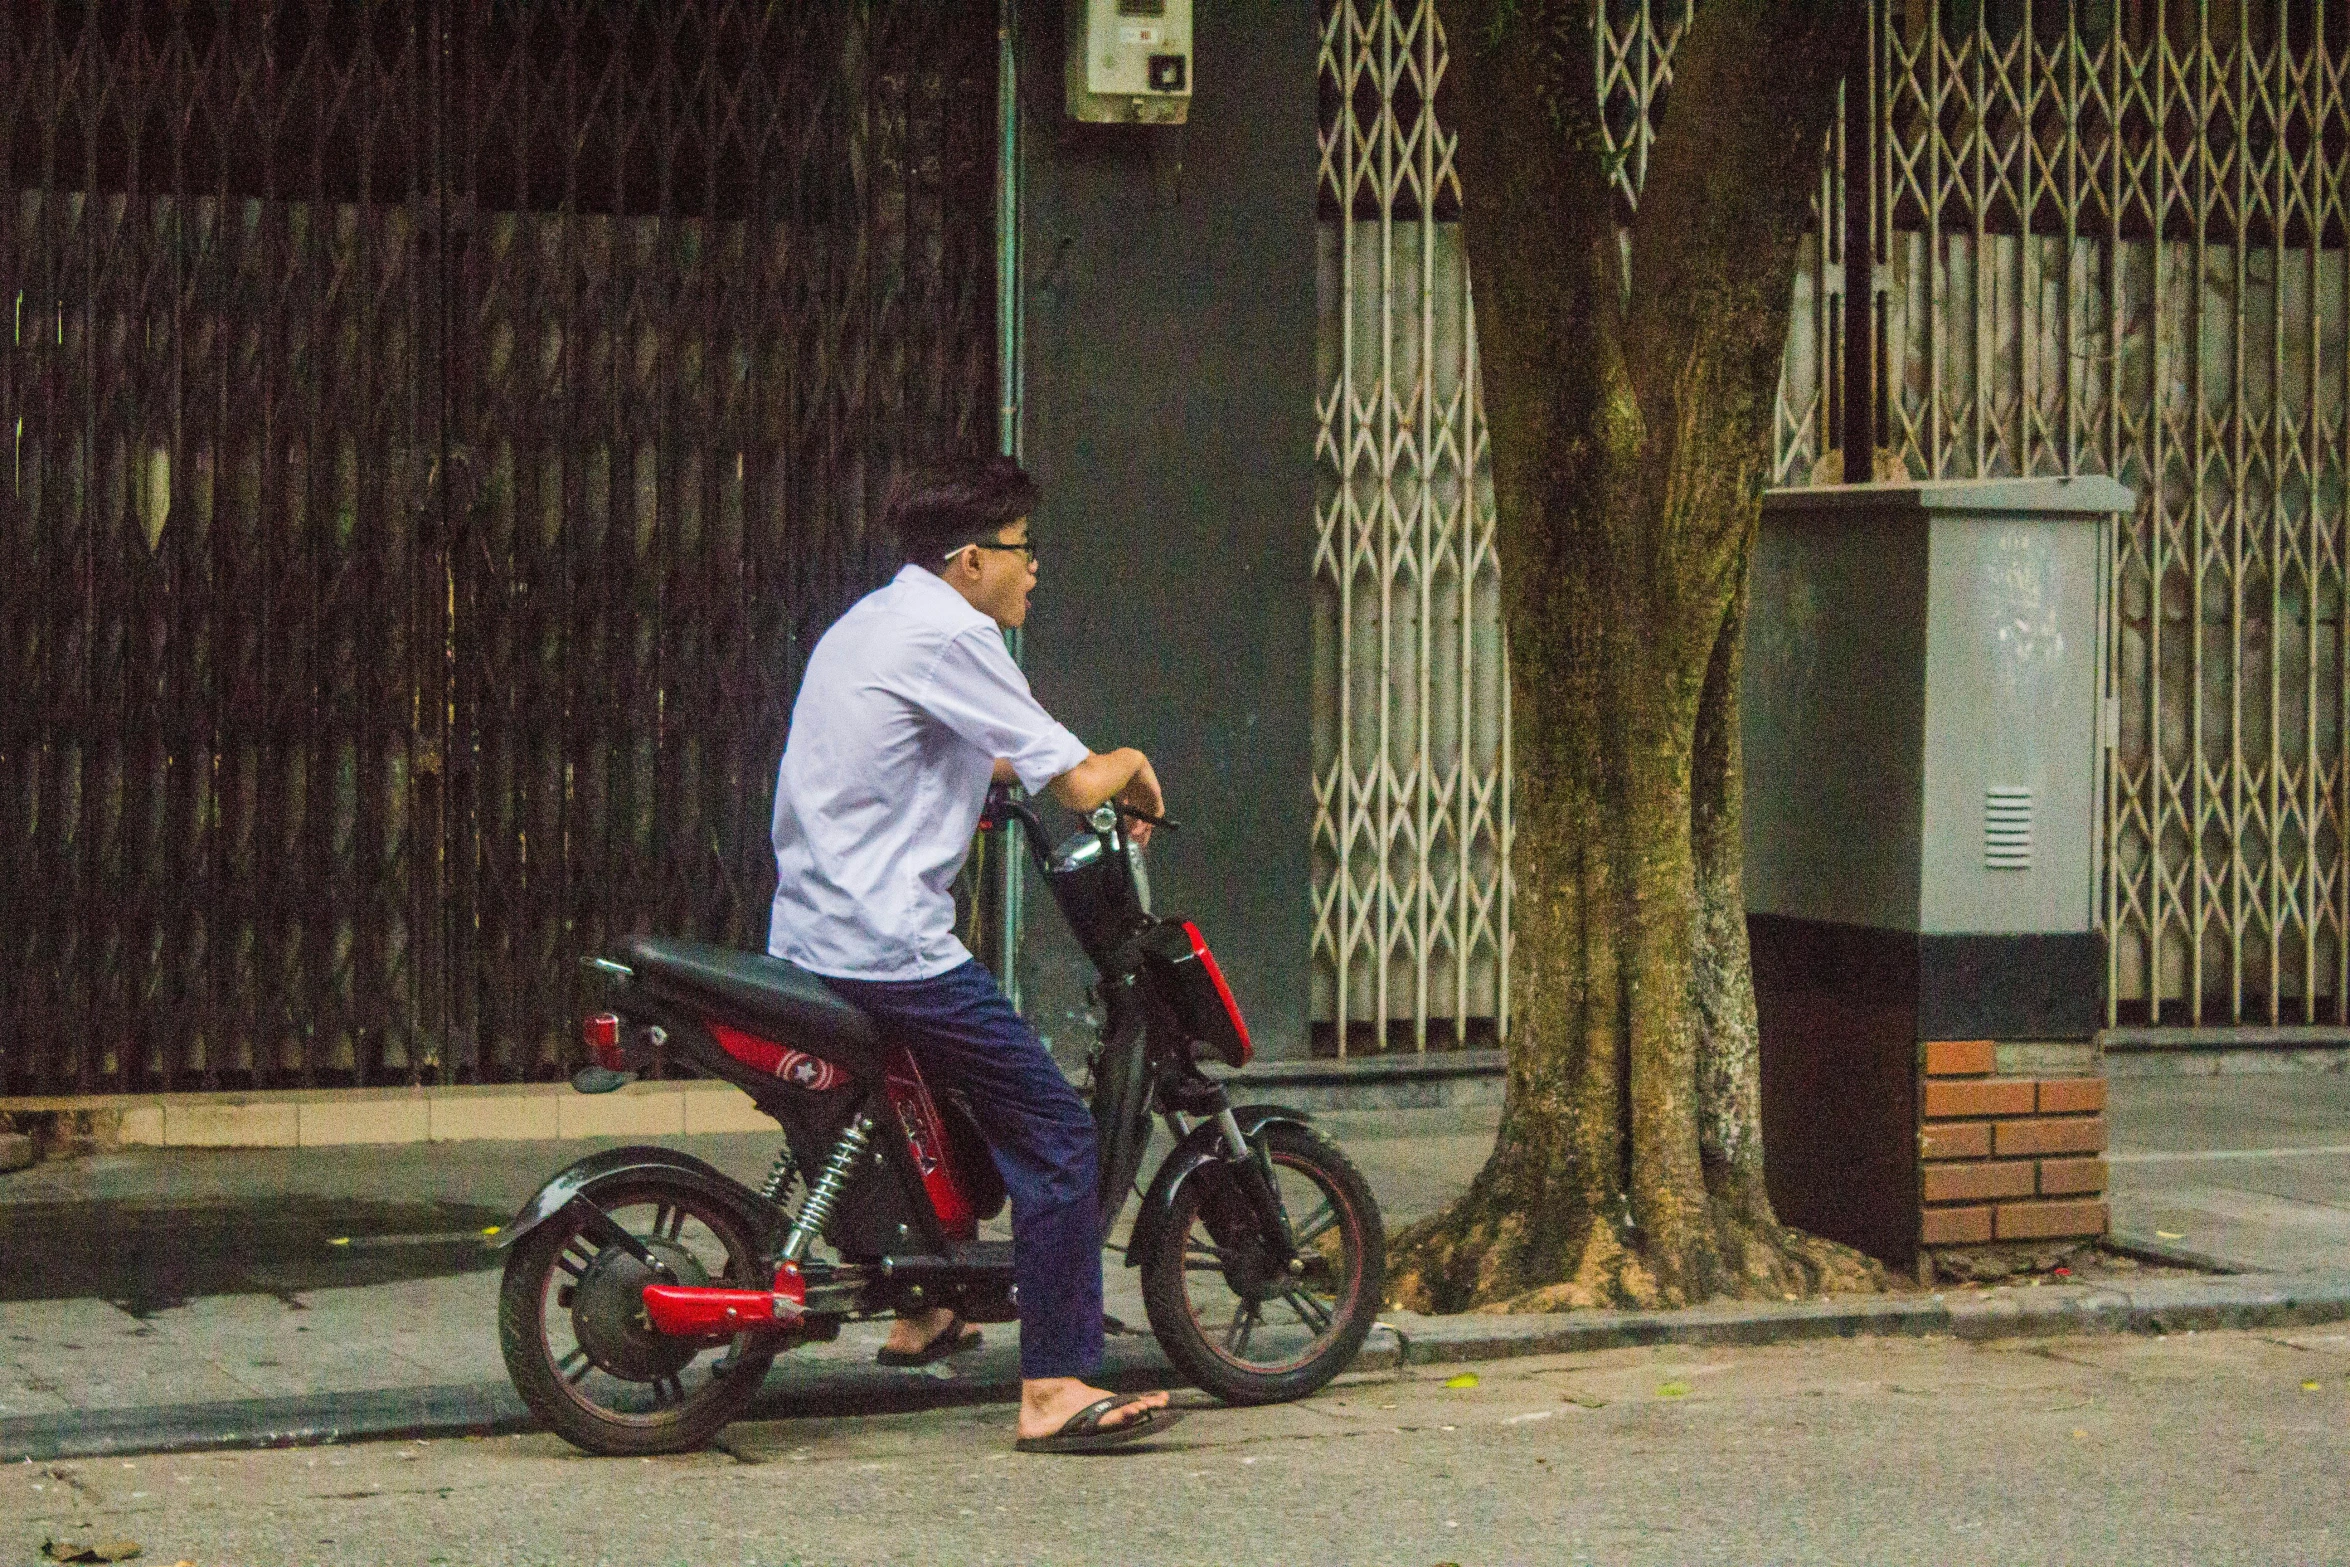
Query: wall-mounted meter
(1130, 61)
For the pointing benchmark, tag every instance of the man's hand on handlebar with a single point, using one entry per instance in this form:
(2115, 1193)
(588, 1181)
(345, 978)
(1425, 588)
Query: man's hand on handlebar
(1142, 793)
(1123, 776)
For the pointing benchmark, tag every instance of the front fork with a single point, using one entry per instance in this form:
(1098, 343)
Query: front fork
(1251, 1168)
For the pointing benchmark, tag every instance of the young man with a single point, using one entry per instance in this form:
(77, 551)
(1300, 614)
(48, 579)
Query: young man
(910, 708)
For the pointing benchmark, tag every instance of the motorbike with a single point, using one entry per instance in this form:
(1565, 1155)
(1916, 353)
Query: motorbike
(646, 1293)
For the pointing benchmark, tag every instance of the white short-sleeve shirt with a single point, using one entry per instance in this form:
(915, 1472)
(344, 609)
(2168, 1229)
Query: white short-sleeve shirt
(907, 702)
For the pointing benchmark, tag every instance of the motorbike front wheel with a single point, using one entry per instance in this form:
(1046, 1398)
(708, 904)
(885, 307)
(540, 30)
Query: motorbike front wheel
(1237, 1322)
(572, 1326)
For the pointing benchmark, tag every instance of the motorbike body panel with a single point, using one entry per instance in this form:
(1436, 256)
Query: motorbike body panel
(1121, 1101)
(927, 1145)
(1093, 884)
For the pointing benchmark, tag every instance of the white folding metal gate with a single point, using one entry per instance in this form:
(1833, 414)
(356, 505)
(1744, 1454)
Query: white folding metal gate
(1411, 740)
(2108, 238)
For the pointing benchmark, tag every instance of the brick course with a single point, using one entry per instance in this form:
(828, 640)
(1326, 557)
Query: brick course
(2071, 1177)
(1955, 1140)
(1976, 1181)
(2072, 1095)
(2035, 1221)
(1956, 1226)
(1959, 1058)
(2063, 1134)
(1979, 1096)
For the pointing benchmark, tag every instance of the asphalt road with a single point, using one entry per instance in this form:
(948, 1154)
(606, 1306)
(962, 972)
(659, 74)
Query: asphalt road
(2211, 1448)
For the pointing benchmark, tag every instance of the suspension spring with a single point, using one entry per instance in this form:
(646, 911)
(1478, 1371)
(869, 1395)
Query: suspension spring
(779, 1179)
(825, 1193)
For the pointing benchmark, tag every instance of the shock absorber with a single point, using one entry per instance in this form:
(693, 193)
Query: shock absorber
(825, 1192)
(779, 1179)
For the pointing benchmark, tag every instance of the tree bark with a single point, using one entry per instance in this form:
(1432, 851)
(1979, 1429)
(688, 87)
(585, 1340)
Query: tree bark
(1631, 428)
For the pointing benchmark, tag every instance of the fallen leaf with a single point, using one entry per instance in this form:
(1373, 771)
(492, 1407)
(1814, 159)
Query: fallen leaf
(1673, 1390)
(77, 1551)
(2309, 1387)
(492, 1229)
(2080, 1435)
(1465, 1379)
(2168, 1235)
(339, 1240)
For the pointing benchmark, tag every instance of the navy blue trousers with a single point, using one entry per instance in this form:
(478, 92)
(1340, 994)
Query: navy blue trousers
(965, 1035)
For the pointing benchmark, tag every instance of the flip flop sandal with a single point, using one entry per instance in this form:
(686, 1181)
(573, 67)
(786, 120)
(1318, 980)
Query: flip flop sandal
(1083, 1432)
(956, 1337)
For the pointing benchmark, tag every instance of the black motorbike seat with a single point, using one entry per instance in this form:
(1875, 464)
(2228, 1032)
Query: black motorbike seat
(766, 995)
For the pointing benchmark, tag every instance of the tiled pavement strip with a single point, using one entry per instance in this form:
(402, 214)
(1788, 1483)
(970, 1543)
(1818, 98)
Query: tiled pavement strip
(2250, 1171)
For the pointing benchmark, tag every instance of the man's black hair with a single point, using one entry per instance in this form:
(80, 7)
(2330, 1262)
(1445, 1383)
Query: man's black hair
(939, 507)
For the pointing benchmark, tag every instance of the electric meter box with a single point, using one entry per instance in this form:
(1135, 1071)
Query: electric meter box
(1924, 715)
(1129, 61)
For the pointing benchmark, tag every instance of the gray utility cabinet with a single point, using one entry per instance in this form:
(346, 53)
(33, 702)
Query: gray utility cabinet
(1924, 721)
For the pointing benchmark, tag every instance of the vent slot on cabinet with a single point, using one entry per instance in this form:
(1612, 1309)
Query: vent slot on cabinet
(2007, 828)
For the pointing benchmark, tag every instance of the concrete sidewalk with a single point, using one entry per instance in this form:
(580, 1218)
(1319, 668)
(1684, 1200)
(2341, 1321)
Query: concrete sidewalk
(171, 1297)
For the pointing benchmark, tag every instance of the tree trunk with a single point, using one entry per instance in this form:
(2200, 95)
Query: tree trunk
(1631, 423)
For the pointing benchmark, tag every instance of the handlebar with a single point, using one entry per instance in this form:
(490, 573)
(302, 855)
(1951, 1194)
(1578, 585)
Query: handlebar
(1002, 807)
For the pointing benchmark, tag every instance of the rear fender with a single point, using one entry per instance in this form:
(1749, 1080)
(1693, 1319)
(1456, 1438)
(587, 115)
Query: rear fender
(1201, 1147)
(757, 1214)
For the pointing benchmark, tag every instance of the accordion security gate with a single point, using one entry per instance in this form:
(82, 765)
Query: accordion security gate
(2108, 237)
(1411, 737)
(2111, 240)
(437, 432)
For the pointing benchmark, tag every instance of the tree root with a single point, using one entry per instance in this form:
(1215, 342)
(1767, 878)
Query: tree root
(1484, 1256)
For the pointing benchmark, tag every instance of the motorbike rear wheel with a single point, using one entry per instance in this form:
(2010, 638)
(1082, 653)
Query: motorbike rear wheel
(572, 1329)
(1234, 1321)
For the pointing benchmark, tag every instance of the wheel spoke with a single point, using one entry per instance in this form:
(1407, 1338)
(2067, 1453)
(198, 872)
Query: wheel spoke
(1244, 1323)
(1204, 1259)
(575, 1367)
(576, 1256)
(668, 1389)
(1309, 1310)
(1318, 1225)
(668, 1221)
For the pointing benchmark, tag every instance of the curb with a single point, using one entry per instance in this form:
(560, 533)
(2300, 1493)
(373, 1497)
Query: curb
(2050, 1311)
(833, 1389)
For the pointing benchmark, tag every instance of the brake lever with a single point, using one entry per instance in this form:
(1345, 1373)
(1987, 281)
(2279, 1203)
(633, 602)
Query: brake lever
(1164, 823)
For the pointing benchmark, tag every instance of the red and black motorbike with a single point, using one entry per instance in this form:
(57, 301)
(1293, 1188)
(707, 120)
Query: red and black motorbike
(646, 1293)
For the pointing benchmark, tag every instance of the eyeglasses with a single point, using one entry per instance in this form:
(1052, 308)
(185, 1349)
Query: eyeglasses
(1028, 549)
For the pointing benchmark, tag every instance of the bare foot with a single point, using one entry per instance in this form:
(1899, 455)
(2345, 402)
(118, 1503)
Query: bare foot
(1047, 1402)
(915, 1333)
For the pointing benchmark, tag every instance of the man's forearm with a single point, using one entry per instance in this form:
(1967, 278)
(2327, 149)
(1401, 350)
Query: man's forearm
(1099, 777)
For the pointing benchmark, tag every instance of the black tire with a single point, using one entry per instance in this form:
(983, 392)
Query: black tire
(1209, 1247)
(596, 1393)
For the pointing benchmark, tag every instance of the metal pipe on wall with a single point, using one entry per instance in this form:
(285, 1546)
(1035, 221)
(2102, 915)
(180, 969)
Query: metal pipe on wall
(1008, 338)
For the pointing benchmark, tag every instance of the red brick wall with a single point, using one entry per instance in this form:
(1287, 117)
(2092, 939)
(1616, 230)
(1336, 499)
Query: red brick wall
(2007, 1158)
